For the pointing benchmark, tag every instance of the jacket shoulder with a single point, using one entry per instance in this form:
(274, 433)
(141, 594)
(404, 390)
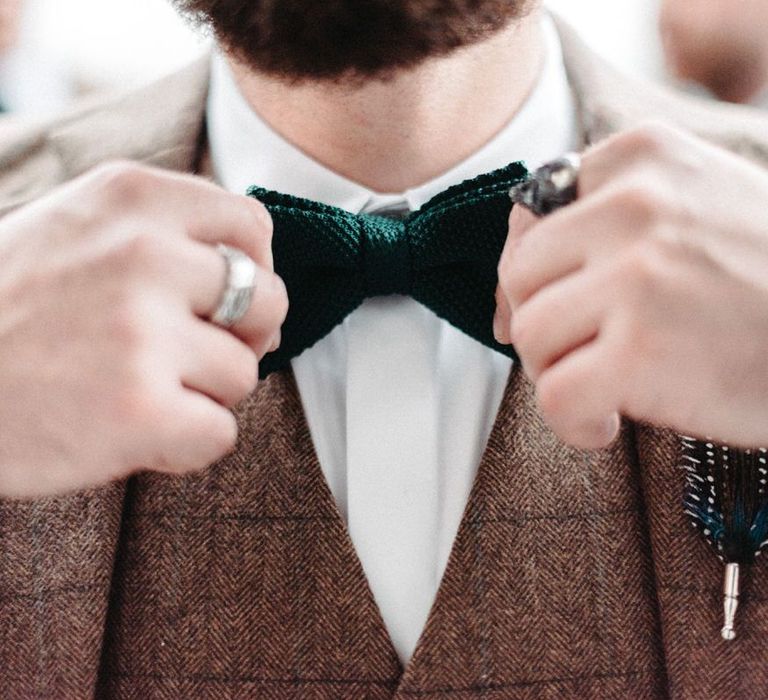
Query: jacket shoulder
(611, 101)
(159, 124)
(28, 164)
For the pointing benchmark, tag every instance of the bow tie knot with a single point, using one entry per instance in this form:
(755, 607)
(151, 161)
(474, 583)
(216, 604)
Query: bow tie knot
(444, 256)
(386, 256)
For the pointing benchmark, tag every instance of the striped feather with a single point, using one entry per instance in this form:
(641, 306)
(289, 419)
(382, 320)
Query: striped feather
(726, 498)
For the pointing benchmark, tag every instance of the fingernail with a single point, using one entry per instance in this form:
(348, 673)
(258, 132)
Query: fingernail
(605, 431)
(611, 427)
(498, 328)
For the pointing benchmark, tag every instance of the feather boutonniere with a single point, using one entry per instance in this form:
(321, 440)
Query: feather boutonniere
(727, 501)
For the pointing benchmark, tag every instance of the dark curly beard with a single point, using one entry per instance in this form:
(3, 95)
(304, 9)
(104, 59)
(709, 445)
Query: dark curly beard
(343, 40)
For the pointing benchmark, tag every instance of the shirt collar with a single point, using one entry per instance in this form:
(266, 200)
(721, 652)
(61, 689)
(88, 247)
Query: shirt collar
(246, 151)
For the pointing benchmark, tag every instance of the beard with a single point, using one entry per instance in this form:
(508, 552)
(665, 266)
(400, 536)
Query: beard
(347, 40)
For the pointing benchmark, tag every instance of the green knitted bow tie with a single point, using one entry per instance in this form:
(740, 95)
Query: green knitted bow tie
(444, 256)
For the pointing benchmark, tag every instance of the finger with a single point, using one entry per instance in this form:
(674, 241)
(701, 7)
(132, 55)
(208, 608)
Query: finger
(520, 221)
(238, 221)
(621, 153)
(260, 327)
(557, 320)
(588, 230)
(204, 274)
(180, 202)
(217, 364)
(502, 319)
(250, 230)
(578, 398)
(200, 432)
(606, 161)
(194, 272)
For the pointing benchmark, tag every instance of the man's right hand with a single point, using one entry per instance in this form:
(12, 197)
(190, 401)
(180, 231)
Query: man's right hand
(108, 363)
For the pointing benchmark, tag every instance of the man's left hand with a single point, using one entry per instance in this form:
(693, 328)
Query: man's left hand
(648, 297)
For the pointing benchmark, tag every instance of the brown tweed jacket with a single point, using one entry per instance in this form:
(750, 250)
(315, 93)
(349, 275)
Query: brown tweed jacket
(574, 574)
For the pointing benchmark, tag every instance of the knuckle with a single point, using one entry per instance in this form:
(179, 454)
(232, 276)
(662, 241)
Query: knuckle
(643, 266)
(632, 340)
(80, 219)
(624, 337)
(659, 250)
(121, 183)
(651, 138)
(640, 204)
(504, 269)
(139, 251)
(134, 400)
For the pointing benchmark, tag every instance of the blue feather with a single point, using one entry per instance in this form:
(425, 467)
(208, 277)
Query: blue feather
(726, 498)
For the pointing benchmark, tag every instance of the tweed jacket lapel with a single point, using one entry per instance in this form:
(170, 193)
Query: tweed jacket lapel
(549, 588)
(56, 560)
(689, 588)
(241, 581)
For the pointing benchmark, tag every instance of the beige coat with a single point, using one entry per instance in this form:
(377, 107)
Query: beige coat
(574, 575)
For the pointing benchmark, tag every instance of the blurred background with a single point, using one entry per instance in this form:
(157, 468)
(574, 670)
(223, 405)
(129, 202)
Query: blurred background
(63, 48)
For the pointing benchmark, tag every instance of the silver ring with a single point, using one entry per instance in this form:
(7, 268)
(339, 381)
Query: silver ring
(553, 185)
(239, 288)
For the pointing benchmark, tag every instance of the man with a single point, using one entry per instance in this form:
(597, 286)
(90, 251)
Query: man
(305, 563)
(719, 44)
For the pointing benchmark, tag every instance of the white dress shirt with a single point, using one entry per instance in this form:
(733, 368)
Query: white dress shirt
(760, 101)
(399, 403)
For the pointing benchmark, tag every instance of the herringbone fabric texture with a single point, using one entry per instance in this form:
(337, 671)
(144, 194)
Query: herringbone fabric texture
(549, 590)
(242, 582)
(573, 576)
(689, 587)
(444, 255)
(56, 563)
